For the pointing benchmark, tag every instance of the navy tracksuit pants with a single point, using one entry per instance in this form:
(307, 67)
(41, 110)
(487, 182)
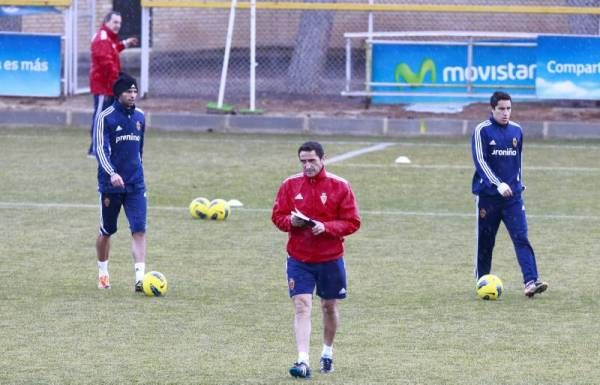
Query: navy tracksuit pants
(491, 211)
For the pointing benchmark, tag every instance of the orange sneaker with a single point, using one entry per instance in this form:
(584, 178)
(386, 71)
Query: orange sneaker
(103, 282)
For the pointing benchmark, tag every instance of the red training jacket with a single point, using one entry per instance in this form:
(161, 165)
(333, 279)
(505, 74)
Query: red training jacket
(105, 64)
(326, 198)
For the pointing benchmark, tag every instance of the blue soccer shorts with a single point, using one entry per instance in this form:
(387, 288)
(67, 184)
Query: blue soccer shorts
(329, 278)
(135, 207)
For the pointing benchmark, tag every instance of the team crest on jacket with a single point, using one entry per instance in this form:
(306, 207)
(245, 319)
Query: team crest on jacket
(323, 198)
(106, 202)
(515, 142)
(138, 125)
(482, 213)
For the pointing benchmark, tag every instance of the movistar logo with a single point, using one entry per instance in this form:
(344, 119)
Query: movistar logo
(404, 73)
(459, 74)
(501, 72)
(508, 152)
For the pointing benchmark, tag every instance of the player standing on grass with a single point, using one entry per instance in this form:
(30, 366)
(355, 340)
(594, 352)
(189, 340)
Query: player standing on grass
(315, 248)
(119, 140)
(497, 144)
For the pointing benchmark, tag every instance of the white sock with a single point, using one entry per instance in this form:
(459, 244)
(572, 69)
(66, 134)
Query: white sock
(303, 357)
(327, 351)
(140, 268)
(102, 268)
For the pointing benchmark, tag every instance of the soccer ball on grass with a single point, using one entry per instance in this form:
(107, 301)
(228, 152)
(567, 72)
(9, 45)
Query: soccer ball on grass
(489, 287)
(219, 209)
(199, 208)
(154, 284)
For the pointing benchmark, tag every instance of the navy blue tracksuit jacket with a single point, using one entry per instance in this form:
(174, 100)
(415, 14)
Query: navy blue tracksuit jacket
(119, 145)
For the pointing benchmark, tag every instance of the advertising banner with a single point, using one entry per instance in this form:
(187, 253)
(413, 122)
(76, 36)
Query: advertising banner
(443, 68)
(28, 10)
(568, 67)
(30, 65)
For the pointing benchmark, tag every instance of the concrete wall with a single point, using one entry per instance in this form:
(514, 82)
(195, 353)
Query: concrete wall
(323, 126)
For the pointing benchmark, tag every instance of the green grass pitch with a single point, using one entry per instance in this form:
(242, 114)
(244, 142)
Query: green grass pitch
(411, 317)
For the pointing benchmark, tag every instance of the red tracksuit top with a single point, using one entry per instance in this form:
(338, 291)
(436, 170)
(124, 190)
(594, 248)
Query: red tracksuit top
(105, 63)
(326, 198)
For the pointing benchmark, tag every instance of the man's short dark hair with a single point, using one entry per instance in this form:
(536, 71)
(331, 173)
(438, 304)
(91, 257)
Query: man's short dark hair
(312, 146)
(110, 15)
(497, 96)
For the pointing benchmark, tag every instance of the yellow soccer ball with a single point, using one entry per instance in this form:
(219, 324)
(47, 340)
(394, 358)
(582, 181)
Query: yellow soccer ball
(154, 284)
(199, 208)
(218, 210)
(489, 287)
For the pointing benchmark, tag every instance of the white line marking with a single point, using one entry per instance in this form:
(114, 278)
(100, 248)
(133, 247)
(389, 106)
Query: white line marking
(355, 153)
(242, 139)
(464, 167)
(400, 213)
(467, 145)
(237, 140)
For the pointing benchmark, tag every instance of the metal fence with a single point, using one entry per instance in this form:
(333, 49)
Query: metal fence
(299, 52)
(302, 52)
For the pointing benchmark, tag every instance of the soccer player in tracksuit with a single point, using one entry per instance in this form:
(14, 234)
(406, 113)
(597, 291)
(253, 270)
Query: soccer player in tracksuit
(119, 143)
(497, 144)
(315, 247)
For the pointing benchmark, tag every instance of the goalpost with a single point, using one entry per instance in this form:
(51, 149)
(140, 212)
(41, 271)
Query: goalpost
(219, 106)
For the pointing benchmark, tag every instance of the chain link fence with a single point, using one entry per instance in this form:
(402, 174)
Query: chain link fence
(299, 53)
(302, 52)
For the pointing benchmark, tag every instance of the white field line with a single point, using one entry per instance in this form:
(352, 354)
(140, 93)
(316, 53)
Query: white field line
(397, 213)
(236, 140)
(359, 152)
(466, 167)
(240, 140)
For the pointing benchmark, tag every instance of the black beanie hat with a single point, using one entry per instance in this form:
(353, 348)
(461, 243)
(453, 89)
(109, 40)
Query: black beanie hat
(123, 83)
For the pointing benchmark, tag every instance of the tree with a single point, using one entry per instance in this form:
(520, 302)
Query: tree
(310, 51)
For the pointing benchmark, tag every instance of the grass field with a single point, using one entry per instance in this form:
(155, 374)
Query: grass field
(412, 316)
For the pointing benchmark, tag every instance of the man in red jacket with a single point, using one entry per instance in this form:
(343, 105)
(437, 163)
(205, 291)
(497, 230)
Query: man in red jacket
(318, 209)
(105, 65)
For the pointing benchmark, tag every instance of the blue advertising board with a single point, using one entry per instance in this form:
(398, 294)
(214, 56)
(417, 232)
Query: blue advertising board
(568, 67)
(444, 69)
(30, 65)
(27, 10)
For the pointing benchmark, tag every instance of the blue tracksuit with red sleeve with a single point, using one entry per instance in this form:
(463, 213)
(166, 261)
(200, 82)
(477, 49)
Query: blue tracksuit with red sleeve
(497, 153)
(119, 144)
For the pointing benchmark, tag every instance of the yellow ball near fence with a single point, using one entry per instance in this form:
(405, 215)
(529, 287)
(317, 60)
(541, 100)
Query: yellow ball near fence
(154, 284)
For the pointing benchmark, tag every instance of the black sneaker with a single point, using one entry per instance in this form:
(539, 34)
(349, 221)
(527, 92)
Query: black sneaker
(138, 287)
(326, 365)
(535, 287)
(300, 370)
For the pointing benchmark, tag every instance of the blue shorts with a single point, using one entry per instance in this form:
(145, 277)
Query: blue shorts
(134, 204)
(328, 277)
